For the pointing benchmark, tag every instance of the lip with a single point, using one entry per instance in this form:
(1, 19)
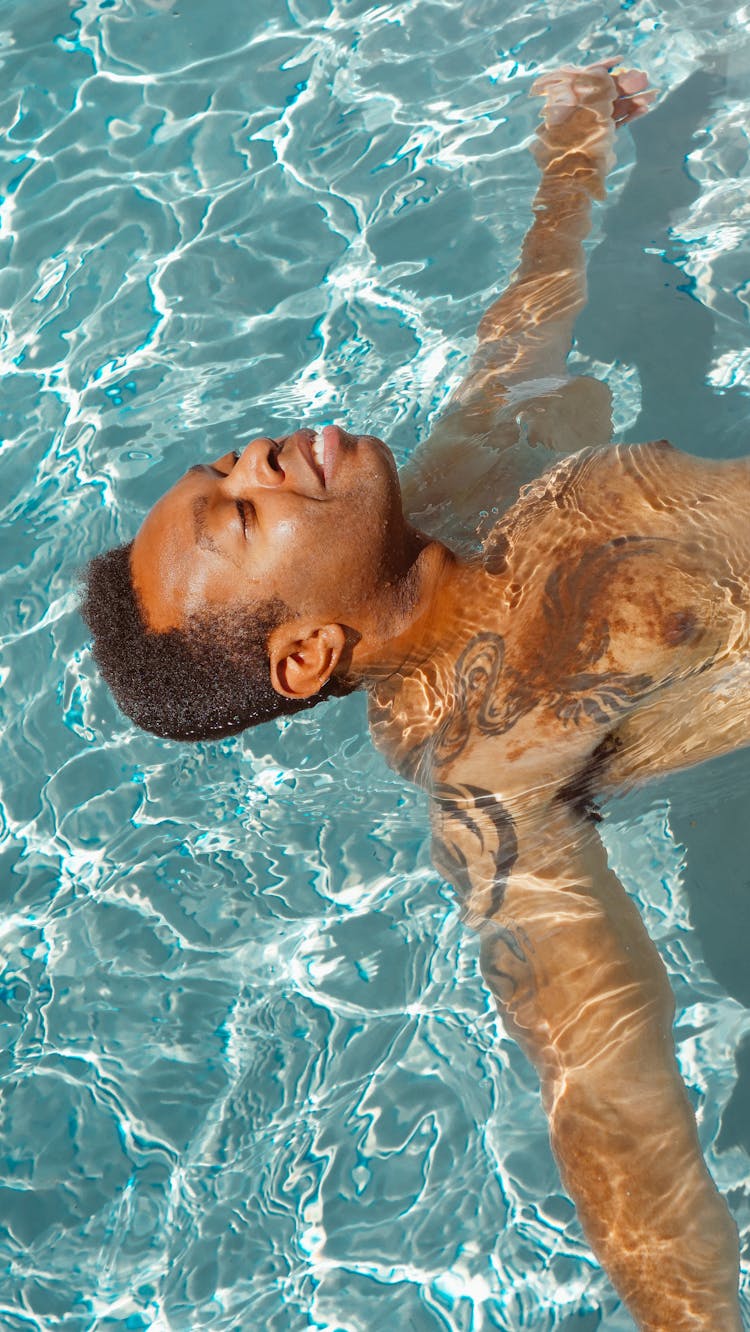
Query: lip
(304, 440)
(334, 440)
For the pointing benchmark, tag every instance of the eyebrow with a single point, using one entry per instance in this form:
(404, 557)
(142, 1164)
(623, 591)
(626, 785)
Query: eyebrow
(202, 537)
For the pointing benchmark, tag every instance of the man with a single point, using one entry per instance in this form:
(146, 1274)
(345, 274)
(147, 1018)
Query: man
(600, 633)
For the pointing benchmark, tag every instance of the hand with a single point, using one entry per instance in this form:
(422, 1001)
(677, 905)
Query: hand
(619, 94)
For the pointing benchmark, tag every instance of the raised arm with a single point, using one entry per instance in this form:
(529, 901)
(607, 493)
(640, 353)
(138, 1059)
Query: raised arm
(527, 332)
(583, 990)
(525, 335)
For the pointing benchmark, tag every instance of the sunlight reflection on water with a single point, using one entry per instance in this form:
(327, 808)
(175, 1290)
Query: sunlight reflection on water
(252, 1076)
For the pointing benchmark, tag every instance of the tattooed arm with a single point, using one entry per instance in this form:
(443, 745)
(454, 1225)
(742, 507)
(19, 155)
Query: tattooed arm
(516, 389)
(582, 988)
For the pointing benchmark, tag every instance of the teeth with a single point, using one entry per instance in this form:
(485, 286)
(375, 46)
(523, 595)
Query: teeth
(318, 450)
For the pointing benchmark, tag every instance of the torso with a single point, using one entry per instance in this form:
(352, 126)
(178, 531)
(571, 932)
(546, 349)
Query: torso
(618, 582)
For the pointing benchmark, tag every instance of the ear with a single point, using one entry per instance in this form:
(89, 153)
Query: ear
(302, 661)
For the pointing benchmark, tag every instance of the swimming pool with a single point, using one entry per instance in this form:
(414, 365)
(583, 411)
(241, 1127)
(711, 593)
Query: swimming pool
(252, 1078)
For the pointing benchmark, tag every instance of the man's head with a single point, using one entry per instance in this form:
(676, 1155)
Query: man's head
(250, 583)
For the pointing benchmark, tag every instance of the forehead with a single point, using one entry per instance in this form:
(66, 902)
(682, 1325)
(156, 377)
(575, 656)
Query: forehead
(170, 552)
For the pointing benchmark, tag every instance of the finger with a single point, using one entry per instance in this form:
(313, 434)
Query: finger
(559, 78)
(627, 109)
(644, 99)
(631, 81)
(633, 114)
(590, 82)
(609, 64)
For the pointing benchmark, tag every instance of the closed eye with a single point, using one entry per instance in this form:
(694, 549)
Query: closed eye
(247, 514)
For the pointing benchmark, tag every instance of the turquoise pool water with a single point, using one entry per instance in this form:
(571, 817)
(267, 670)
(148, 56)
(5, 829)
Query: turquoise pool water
(251, 1076)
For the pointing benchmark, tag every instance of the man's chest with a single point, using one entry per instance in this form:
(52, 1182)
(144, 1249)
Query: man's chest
(550, 658)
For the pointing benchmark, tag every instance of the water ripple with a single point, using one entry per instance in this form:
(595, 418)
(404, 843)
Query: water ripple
(251, 1075)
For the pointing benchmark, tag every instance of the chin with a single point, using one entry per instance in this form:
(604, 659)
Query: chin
(382, 450)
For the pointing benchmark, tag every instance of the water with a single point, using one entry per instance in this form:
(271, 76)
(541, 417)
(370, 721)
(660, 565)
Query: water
(251, 1075)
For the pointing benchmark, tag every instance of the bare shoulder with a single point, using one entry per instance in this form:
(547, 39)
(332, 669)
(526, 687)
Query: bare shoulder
(481, 451)
(630, 490)
(657, 478)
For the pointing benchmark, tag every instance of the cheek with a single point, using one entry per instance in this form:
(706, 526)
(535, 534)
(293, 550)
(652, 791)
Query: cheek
(298, 558)
(330, 557)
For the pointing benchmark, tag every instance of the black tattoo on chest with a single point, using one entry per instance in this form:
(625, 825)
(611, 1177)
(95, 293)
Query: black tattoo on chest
(479, 701)
(563, 670)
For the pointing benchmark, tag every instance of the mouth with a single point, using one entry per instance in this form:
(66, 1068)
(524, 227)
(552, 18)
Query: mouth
(334, 442)
(310, 445)
(321, 450)
(319, 453)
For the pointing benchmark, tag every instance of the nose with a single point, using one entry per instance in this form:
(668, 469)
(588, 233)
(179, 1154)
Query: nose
(257, 465)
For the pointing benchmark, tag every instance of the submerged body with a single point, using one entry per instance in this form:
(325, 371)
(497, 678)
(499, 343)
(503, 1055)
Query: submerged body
(604, 635)
(613, 583)
(599, 635)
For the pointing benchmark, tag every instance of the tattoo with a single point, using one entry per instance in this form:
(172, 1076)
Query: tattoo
(475, 847)
(599, 700)
(503, 959)
(569, 686)
(472, 810)
(561, 655)
(581, 636)
(475, 701)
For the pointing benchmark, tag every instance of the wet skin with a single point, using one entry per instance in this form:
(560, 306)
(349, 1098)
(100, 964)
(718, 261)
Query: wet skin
(602, 633)
(515, 687)
(269, 521)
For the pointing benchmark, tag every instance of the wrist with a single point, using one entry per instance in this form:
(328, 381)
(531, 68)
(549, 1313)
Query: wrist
(574, 167)
(585, 135)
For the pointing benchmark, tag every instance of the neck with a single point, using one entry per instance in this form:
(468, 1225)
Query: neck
(413, 615)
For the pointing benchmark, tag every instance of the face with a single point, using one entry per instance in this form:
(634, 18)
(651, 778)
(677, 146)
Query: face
(314, 519)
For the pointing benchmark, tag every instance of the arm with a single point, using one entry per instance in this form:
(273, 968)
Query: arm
(582, 988)
(526, 333)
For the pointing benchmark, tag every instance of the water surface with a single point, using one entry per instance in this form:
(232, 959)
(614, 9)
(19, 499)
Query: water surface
(252, 1078)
